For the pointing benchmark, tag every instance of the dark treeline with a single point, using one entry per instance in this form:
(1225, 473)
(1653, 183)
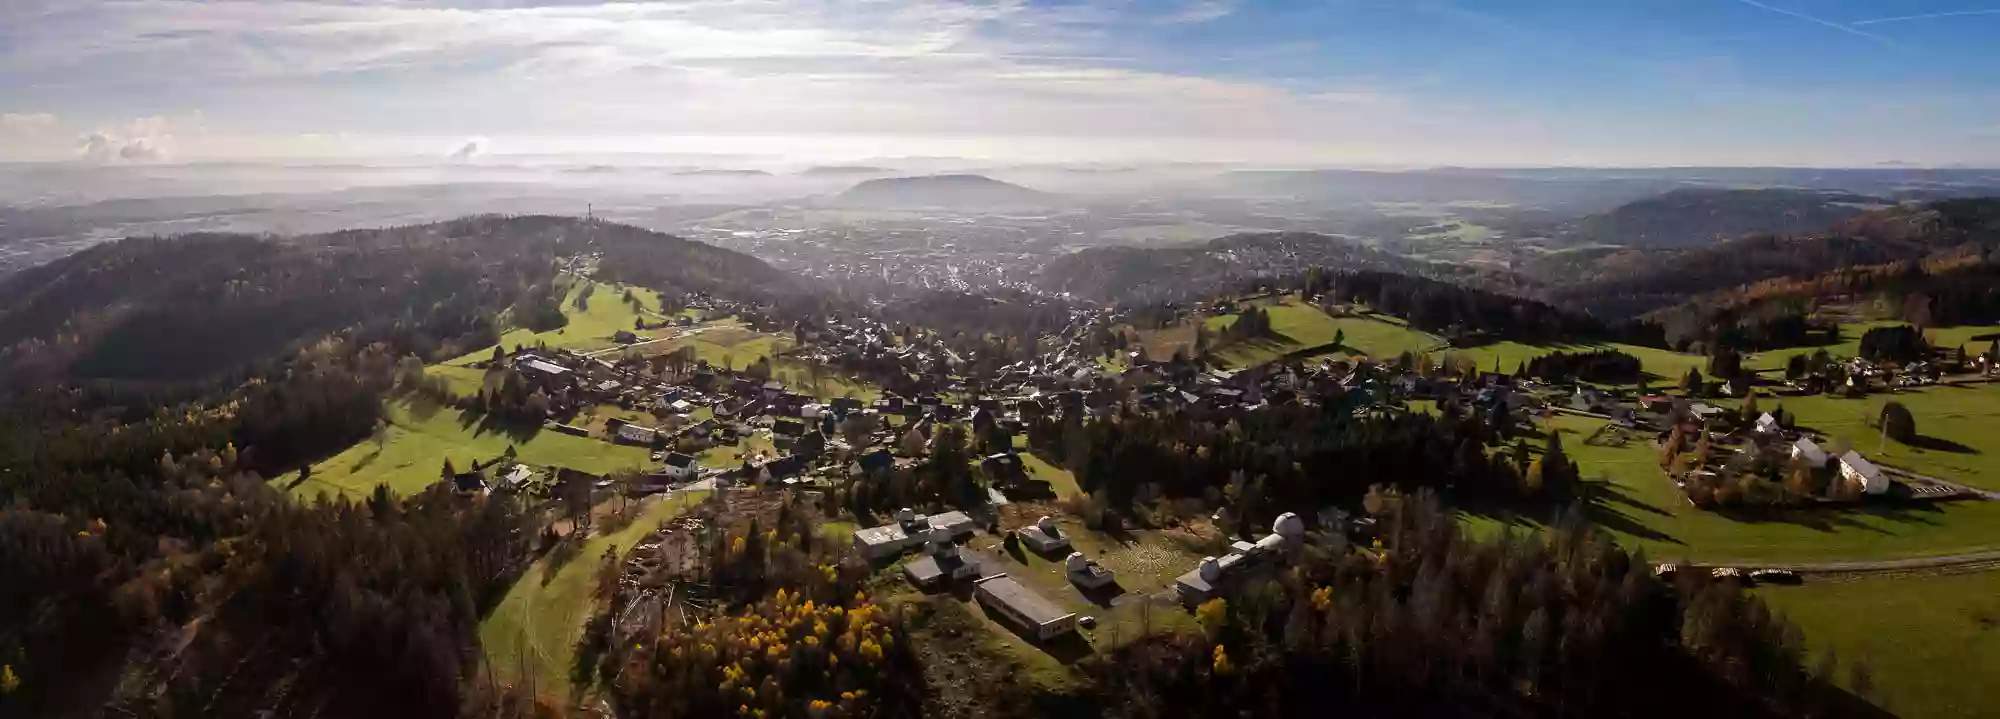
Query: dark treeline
(205, 592)
(1301, 456)
(1901, 343)
(1561, 623)
(1604, 366)
(1455, 311)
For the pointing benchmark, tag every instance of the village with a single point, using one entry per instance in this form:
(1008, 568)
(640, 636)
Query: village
(1020, 548)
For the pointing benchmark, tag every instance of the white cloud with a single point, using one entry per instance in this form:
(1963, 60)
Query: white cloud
(1004, 67)
(146, 139)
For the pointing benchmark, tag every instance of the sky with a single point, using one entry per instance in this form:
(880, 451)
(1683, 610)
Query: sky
(1331, 82)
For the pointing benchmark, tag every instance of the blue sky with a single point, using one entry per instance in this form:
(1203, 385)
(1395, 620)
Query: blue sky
(1392, 82)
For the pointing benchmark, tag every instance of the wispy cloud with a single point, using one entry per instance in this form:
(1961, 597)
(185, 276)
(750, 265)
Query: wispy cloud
(1201, 11)
(1928, 16)
(1821, 22)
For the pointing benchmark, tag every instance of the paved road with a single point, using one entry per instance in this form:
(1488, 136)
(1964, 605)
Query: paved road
(1952, 563)
(642, 343)
(1974, 491)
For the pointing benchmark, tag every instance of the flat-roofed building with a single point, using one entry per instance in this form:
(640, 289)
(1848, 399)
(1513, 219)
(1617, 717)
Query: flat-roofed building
(909, 530)
(1024, 607)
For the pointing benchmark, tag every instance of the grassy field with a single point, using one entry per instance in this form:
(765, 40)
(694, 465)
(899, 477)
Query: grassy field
(830, 384)
(1930, 643)
(590, 328)
(421, 436)
(1646, 511)
(730, 456)
(1060, 480)
(1666, 368)
(534, 629)
(1959, 428)
(1300, 326)
(1975, 338)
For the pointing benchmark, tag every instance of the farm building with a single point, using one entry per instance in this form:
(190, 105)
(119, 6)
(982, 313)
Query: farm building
(1805, 449)
(1024, 607)
(1857, 468)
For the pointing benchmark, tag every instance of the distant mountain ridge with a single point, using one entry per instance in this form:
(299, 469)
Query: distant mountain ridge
(842, 170)
(1693, 216)
(1635, 281)
(952, 191)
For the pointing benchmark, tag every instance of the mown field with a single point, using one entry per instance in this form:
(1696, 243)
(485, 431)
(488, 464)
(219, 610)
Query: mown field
(1930, 643)
(1665, 368)
(531, 635)
(421, 436)
(1975, 338)
(1300, 326)
(1958, 428)
(1647, 512)
(589, 328)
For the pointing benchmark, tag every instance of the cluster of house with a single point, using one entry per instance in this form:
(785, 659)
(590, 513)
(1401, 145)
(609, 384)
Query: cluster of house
(1766, 439)
(1851, 465)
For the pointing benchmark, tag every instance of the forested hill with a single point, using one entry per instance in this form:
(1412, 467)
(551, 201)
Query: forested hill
(1691, 217)
(1175, 273)
(205, 307)
(1636, 281)
(955, 191)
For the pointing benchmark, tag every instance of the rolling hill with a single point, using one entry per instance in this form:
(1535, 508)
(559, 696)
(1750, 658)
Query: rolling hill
(967, 192)
(196, 307)
(1635, 281)
(1695, 216)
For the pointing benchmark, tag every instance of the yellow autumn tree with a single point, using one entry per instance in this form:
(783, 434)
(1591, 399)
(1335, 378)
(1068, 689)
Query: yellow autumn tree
(1213, 615)
(1221, 663)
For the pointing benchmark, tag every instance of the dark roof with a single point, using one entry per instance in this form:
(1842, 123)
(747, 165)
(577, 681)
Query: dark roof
(788, 427)
(877, 459)
(786, 466)
(469, 481)
(677, 459)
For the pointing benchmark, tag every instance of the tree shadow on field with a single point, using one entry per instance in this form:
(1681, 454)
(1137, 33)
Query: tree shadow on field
(1939, 444)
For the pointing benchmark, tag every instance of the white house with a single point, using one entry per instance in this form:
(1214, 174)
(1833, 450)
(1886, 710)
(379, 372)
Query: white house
(681, 466)
(1767, 424)
(1855, 467)
(636, 434)
(1810, 452)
